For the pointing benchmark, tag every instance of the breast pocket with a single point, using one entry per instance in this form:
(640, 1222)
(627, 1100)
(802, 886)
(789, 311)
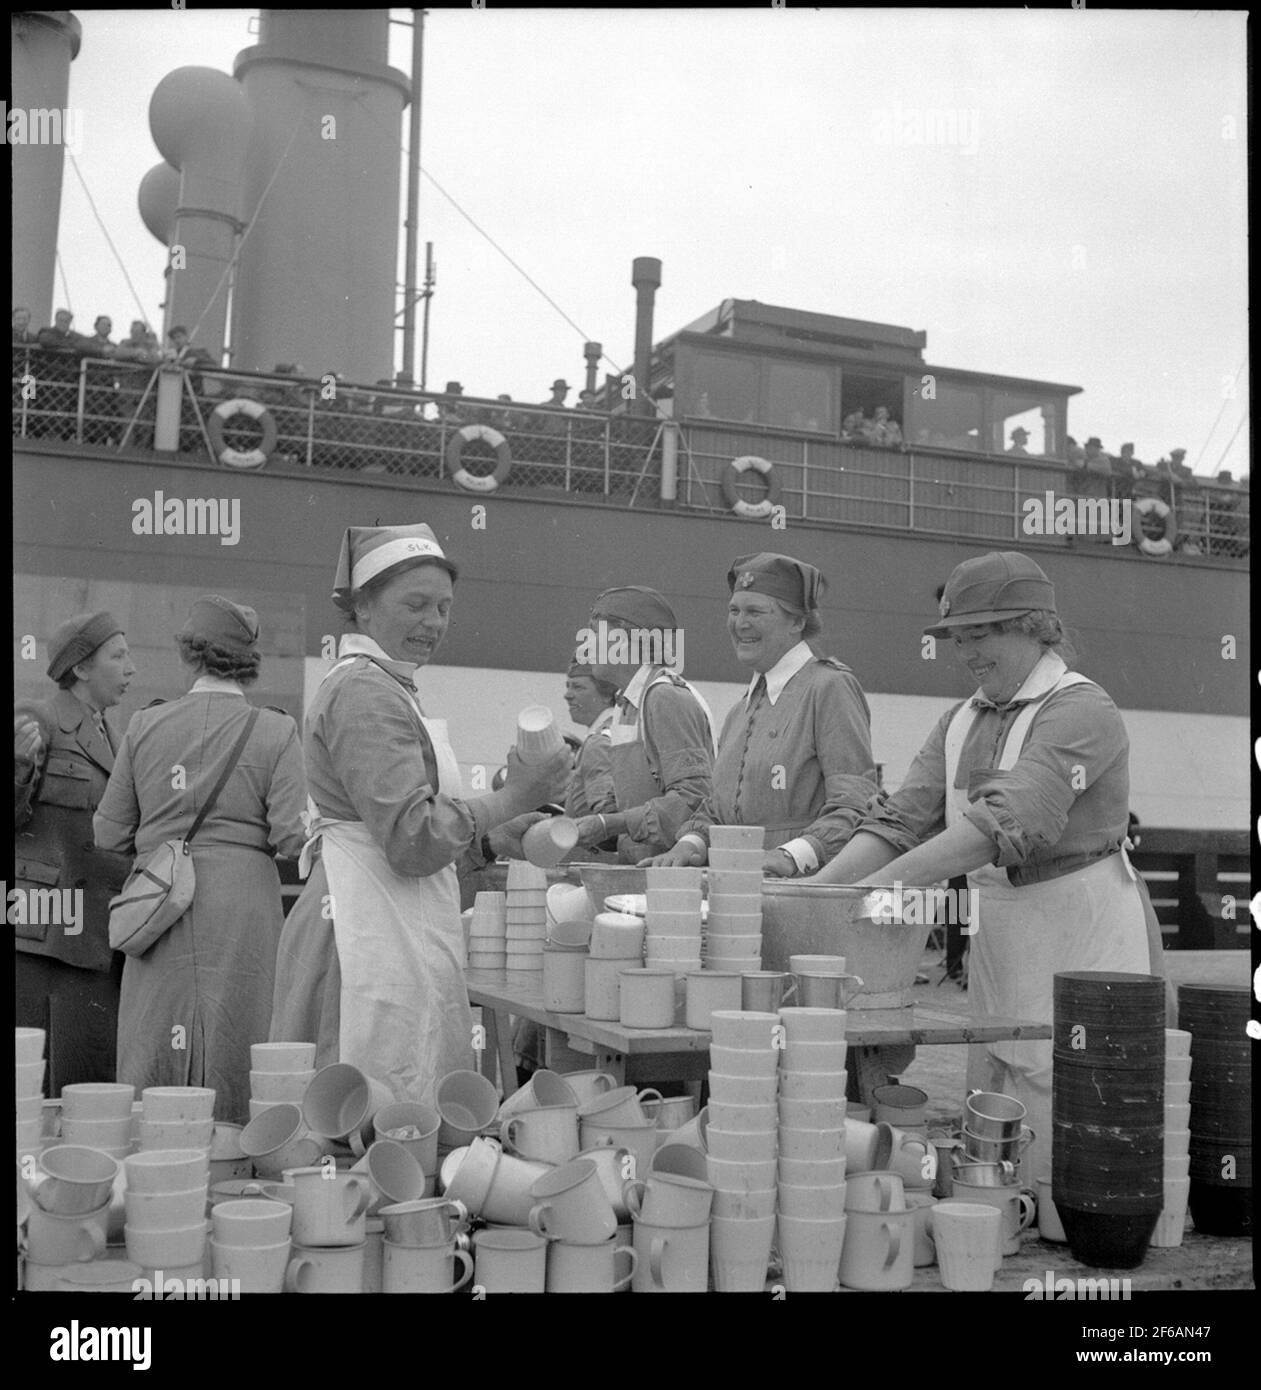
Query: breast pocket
(30, 877)
(67, 782)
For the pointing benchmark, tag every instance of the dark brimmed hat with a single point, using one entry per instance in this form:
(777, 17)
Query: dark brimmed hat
(373, 552)
(990, 588)
(779, 577)
(560, 381)
(222, 622)
(77, 638)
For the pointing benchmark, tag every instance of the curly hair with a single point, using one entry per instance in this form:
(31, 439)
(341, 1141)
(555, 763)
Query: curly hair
(1044, 627)
(813, 625)
(215, 660)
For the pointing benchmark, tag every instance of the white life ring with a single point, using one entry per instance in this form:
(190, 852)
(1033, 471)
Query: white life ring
(238, 458)
(1161, 508)
(503, 458)
(732, 476)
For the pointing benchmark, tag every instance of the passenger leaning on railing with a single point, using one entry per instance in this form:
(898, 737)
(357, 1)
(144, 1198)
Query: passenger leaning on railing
(22, 335)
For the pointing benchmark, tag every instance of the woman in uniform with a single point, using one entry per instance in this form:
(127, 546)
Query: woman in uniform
(794, 755)
(661, 750)
(67, 976)
(592, 703)
(370, 965)
(1025, 788)
(201, 994)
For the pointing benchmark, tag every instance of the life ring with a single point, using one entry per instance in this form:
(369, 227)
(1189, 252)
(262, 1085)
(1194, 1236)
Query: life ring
(732, 476)
(1161, 508)
(503, 458)
(237, 458)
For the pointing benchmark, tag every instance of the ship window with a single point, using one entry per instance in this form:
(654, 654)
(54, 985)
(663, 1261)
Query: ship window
(1011, 413)
(861, 392)
(722, 387)
(949, 418)
(799, 397)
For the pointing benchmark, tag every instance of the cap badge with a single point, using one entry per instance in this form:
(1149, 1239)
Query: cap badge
(746, 580)
(943, 608)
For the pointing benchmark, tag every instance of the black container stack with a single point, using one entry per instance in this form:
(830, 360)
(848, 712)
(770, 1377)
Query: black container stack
(1108, 1113)
(1221, 1107)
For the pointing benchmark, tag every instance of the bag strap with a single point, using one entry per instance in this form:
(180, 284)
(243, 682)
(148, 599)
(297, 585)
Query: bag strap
(233, 758)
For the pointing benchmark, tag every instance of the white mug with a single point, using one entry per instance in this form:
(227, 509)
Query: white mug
(327, 1269)
(329, 1208)
(260, 1268)
(546, 1135)
(589, 1268)
(424, 1268)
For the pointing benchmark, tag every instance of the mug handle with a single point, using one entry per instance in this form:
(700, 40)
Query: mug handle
(253, 1189)
(620, 1284)
(355, 1140)
(788, 993)
(1028, 1207)
(460, 1241)
(96, 1242)
(466, 1260)
(461, 1212)
(506, 1132)
(293, 1275)
(656, 1261)
(646, 1097)
(1027, 1136)
(362, 1201)
(605, 1083)
(857, 988)
(886, 1192)
(633, 1190)
(537, 1220)
(895, 1245)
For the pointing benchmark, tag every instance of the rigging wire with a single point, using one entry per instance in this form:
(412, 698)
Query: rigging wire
(1225, 400)
(109, 240)
(65, 286)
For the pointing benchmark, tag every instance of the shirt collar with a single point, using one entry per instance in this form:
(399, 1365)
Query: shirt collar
(634, 692)
(782, 672)
(215, 685)
(358, 644)
(1038, 683)
(602, 719)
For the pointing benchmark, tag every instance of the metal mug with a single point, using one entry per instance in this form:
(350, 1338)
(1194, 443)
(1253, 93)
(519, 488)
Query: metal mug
(820, 991)
(982, 1150)
(1000, 1174)
(765, 991)
(992, 1115)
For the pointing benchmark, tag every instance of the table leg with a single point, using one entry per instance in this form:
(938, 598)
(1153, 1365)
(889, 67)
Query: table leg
(498, 1049)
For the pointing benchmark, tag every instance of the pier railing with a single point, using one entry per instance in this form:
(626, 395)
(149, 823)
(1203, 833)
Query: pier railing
(426, 438)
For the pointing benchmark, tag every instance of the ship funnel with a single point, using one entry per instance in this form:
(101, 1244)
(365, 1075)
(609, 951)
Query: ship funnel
(45, 42)
(646, 278)
(200, 121)
(316, 277)
(158, 199)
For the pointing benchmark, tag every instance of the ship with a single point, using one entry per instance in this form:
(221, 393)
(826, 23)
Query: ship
(141, 482)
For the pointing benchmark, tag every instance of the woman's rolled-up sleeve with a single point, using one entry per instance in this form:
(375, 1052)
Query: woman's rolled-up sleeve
(677, 741)
(917, 810)
(1075, 737)
(383, 759)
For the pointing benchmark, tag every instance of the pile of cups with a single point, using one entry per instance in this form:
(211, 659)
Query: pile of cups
(29, 1047)
(329, 1230)
(733, 938)
(279, 1072)
(1171, 1224)
(1217, 1017)
(671, 1214)
(165, 1201)
(743, 1147)
(423, 1242)
(879, 1248)
(987, 1172)
(250, 1242)
(173, 1117)
(488, 932)
(901, 1114)
(98, 1114)
(812, 1156)
(565, 963)
(68, 1217)
(617, 944)
(672, 924)
(525, 916)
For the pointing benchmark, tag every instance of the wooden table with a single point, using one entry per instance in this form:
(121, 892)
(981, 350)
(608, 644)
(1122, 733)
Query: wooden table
(574, 1042)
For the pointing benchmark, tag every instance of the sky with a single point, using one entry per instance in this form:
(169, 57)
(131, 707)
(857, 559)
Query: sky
(1050, 194)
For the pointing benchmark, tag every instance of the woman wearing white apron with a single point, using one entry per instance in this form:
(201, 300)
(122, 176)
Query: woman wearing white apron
(1025, 788)
(369, 965)
(661, 740)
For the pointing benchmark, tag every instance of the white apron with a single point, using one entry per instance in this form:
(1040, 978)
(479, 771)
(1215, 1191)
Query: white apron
(1090, 919)
(405, 1015)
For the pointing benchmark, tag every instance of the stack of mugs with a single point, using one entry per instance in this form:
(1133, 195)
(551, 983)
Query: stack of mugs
(1108, 1113)
(250, 1242)
(1217, 1017)
(329, 1230)
(811, 1170)
(987, 1172)
(879, 1248)
(617, 944)
(672, 924)
(565, 966)
(488, 931)
(526, 916)
(98, 1114)
(1172, 1221)
(734, 925)
(280, 1072)
(424, 1241)
(68, 1219)
(415, 1127)
(165, 1199)
(29, 1046)
(621, 1118)
(670, 1213)
(176, 1117)
(742, 1143)
(573, 1213)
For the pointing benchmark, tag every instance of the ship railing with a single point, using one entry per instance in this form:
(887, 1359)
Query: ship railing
(387, 432)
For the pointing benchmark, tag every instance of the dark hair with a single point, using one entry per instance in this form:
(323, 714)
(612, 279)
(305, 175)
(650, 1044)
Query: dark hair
(370, 591)
(68, 679)
(215, 660)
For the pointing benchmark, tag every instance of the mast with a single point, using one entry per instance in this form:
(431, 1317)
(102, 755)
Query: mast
(413, 200)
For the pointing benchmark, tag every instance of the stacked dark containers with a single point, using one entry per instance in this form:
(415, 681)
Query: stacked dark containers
(1221, 1107)
(1108, 1113)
